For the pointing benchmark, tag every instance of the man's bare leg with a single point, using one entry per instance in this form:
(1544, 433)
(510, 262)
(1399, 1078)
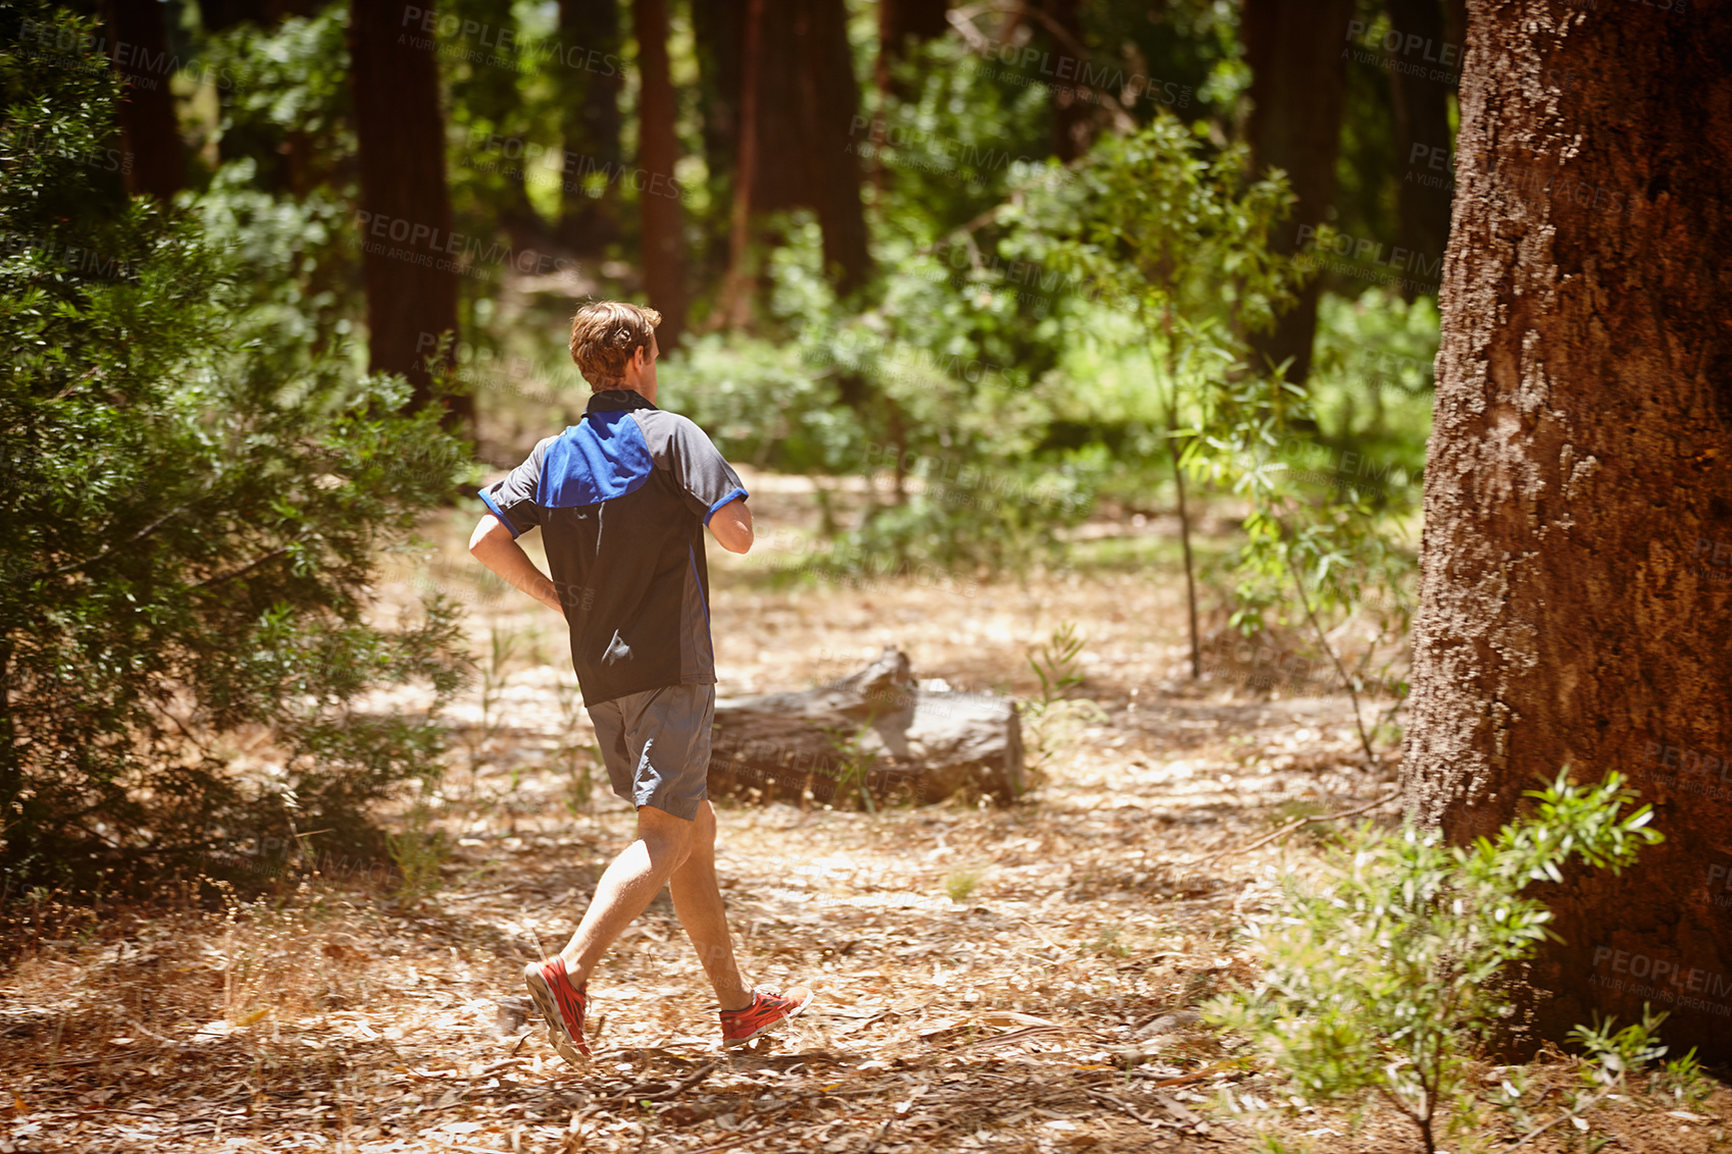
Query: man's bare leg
(630, 883)
(698, 902)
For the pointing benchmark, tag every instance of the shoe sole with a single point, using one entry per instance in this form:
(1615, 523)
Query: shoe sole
(568, 1048)
(729, 1044)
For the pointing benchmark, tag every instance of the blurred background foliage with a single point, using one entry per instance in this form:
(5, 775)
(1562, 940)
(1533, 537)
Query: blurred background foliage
(1010, 271)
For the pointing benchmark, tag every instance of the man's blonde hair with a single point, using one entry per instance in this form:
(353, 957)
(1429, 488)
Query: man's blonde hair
(605, 334)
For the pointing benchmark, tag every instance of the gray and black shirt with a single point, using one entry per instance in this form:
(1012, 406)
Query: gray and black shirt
(622, 498)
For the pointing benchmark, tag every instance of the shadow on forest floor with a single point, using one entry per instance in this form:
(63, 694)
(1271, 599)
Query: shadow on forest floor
(1020, 978)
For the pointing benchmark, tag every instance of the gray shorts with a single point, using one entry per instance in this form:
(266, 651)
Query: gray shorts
(656, 746)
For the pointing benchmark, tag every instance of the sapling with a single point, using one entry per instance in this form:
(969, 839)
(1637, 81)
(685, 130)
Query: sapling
(1381, 975)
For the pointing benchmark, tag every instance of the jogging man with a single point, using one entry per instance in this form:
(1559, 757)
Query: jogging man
(622, 499)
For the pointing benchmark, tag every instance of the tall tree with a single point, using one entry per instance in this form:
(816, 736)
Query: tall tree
(1298, 89)
(220, 15)
(408, 253)
(154, 159)
(664, 248)
(902, 21)
(1062, 32)
(719, 26)
(587, 68)
(902, 24)
(734, 309)
(1421, 91)
(807, 99)
(1576, 563)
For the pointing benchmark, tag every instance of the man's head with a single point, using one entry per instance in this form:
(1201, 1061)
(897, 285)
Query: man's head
(614, 345)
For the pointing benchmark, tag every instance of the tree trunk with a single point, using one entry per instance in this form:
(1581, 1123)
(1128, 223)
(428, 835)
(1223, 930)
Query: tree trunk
(154, 161)
(221, 15)
(903, 23)
(869, 738)
(1576, 563)
(1298, 90)
(900, 21)
(807, 100)
(734, 309)
(408, 252)
(1062, 32)
(1420, 92)
(664, 248)
(589, 72)
(719, 27)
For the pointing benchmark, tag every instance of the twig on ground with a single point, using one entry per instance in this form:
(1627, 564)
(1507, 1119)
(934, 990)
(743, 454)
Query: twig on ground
(1575, 1113)
(640, 1093)
(1293, 825)
(731, 1142)
(1107, 1099)
(1019, 1035)
(1187, 1079)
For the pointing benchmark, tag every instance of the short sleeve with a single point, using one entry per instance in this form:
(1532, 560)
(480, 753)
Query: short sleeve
(512, 497)
(700, 472)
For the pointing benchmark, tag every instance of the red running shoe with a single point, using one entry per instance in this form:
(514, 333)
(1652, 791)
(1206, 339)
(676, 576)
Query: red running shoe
(769, 1006)
(561, 1004)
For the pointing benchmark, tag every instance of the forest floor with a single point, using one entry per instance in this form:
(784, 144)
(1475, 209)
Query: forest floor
(1023, 978)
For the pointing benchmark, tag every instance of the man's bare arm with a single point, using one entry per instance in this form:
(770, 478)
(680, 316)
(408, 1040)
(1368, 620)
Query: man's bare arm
(731, 526)
(493, 546)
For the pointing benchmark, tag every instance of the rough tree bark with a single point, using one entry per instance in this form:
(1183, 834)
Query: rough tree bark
(1420, 92)
(587, 69)
(1298, 90)
(664, 248)
(407, 250)
(154, 159)
(1576, 580)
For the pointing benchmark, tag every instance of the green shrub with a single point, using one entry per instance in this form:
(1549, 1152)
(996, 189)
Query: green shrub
(1383, 974)
(193, 507)
(932, 385)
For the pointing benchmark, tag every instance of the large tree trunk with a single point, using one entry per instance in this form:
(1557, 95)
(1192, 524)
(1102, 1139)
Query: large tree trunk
(872, 737)
(719, 27)
(1298, 89)
(806, 101)
(1576, 581)
(734, 308)
(664, 248)
(589, 72)
(155, 161)
(408, 253)
(1421, 92)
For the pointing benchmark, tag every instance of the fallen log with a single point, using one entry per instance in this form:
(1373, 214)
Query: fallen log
(873, 737)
